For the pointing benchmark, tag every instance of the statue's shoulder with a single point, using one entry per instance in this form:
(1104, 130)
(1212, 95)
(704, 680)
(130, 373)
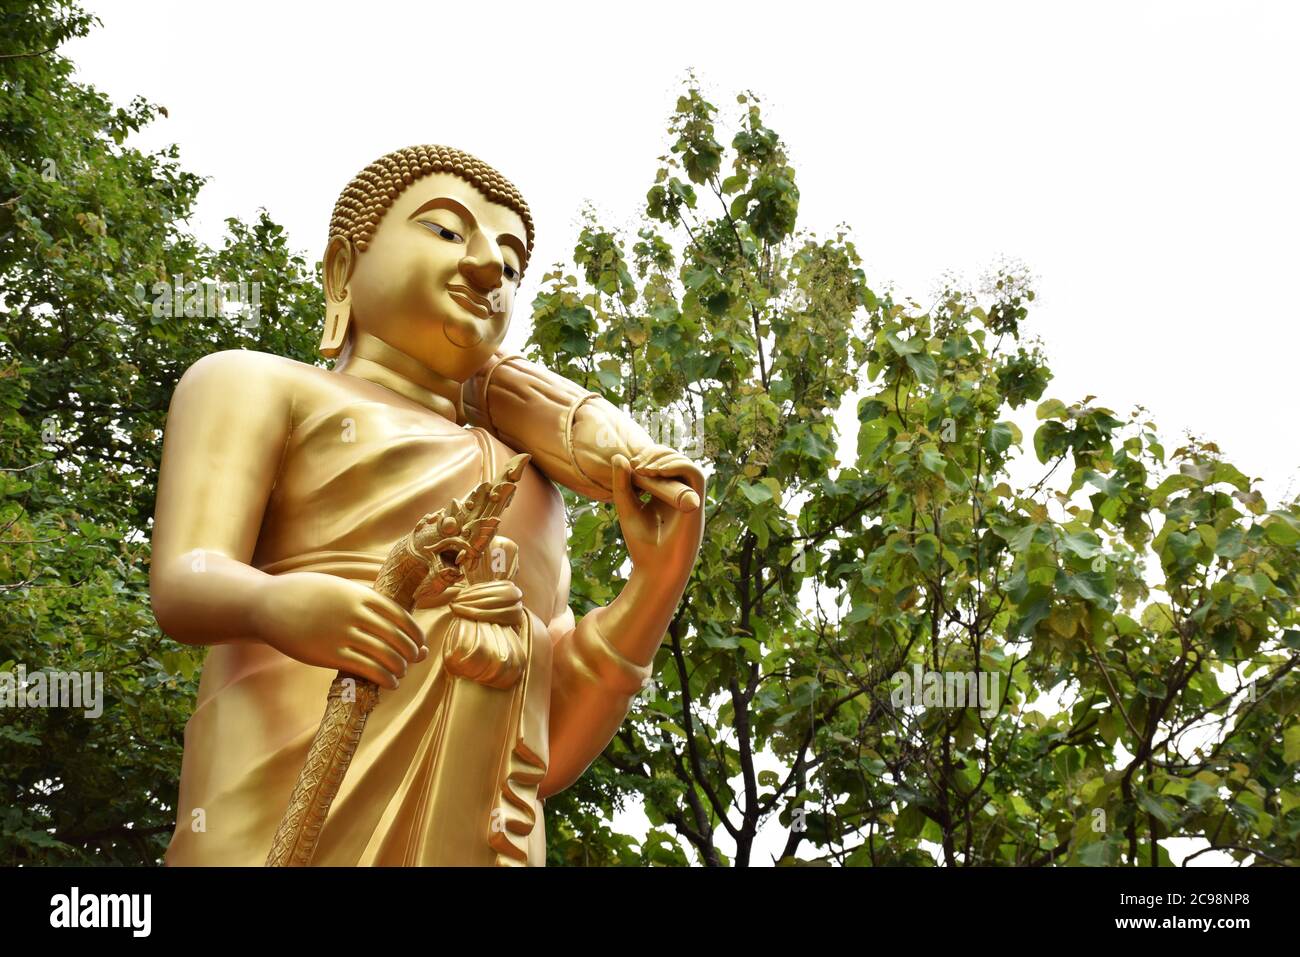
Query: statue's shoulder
(235, 361)
(257, 371)
(259, 382)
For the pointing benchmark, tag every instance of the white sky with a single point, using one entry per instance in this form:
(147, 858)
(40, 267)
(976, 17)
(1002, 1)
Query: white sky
(1140, 157)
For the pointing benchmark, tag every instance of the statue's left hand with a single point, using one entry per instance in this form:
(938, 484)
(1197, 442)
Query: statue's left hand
(651, 472)
(660, 538)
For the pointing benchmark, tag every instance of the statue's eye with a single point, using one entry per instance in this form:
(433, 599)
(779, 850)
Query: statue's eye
(510, 272)
(443, 231)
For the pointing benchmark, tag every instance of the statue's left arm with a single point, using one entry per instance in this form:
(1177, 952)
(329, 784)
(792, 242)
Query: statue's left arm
(602, 662)
(571, 433)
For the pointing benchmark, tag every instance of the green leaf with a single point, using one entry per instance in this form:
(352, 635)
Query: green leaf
(1163, 809)
(909, 823)
(1281, 532)
(926, 550)
(1002, 435)
(906, 347)
(1050, 440)
(1096, 854)
(924, 368)
(1022, 537)
(1174, 483)
(1291, 744)
(1158, 617)
(1051, 409)
(933, 459)
(1083, 544)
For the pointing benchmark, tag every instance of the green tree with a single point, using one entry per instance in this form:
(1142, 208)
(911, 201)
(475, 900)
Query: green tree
(88, 226)
(1147, 609)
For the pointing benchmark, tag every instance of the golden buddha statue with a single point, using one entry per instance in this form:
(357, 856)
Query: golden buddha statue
(283, 487)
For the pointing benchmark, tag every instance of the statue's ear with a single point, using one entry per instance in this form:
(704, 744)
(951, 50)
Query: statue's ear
(340, 258)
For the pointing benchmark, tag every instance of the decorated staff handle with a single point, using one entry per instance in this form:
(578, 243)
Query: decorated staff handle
(432, 557)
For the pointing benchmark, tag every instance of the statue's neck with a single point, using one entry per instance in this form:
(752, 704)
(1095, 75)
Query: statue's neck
(374, 360)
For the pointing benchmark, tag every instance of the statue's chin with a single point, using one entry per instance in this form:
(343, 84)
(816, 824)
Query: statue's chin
(465, 335)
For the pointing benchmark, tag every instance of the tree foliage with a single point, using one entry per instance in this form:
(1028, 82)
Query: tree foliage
(89, 226)
(1136, 620)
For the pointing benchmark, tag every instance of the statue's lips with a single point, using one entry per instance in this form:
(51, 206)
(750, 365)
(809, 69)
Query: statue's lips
(474, 303)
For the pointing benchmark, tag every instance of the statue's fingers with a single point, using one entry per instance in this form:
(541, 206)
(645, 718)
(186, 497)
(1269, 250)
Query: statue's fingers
(647, 454)
(665, 458)
(377, 645)
(625, 499)
(511, 616)
(399, 640)
(683, 469)
(391, 611)
(363, 666)
(490, 595)
(671, 461)
(675, 493)
(439, 590)
(653, 456)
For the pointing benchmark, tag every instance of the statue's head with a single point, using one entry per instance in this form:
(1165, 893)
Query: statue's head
(427, 247)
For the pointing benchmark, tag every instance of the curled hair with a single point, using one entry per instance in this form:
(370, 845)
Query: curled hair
(363, 203)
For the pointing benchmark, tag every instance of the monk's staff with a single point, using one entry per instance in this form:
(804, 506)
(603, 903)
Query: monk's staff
(434, 556)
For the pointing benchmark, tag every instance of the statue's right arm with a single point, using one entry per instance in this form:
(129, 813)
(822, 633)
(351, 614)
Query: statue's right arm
(226, 430)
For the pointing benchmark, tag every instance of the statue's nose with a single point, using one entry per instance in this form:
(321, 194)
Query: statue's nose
(482, 265)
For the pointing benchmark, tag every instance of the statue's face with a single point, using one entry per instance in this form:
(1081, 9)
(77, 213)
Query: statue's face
(439, 277)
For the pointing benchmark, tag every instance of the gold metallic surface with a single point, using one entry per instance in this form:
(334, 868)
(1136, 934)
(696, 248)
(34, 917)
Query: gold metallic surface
(282, 490)
(445, 547)
(350, 702)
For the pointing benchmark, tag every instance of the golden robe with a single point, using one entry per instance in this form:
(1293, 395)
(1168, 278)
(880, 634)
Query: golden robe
(448, 769)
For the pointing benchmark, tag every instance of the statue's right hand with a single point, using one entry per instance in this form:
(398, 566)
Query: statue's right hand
(335, 623)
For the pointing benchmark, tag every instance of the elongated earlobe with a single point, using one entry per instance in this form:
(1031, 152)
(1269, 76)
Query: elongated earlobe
(337, 316)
